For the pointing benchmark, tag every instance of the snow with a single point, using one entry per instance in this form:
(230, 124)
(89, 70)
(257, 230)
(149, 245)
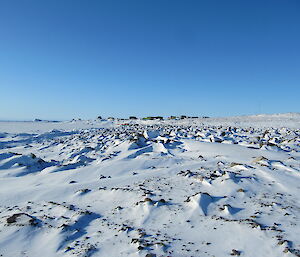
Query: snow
(192, 187)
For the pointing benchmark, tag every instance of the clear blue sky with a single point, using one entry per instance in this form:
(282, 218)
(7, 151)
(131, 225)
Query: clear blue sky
(62, 59)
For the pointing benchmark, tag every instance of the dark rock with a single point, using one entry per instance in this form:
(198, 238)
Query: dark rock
(235, 252)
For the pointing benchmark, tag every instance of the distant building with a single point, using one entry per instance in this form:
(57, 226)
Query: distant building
(153, 118)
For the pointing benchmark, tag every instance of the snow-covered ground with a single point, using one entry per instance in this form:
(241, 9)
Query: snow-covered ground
(195, 187)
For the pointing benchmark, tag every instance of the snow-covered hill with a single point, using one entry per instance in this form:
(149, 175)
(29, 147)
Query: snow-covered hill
(195, 187)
